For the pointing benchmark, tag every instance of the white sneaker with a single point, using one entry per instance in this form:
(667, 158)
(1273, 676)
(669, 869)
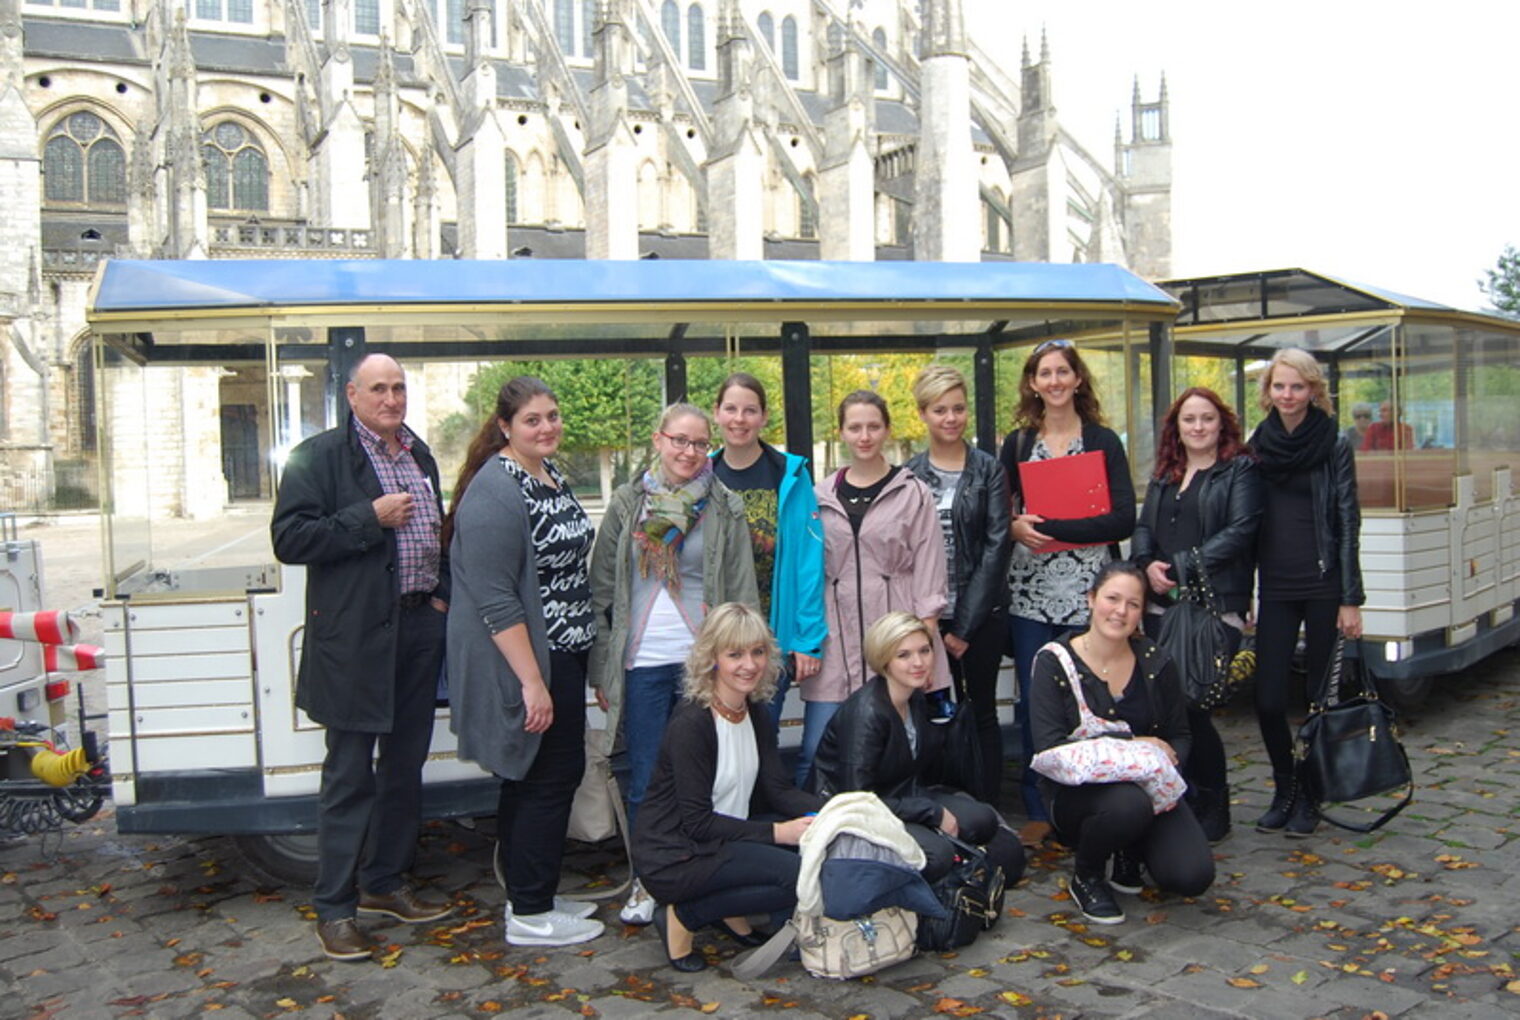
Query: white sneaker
(562, 904)
(638, 909)
(551, 928)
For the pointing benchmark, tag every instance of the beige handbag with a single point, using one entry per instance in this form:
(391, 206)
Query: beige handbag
(597, 812)
(859, 946)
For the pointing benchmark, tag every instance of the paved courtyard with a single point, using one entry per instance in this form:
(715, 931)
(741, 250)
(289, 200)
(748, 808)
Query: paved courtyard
(1417, 920)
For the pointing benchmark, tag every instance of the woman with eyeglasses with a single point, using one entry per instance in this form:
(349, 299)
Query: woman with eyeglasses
(882, 551)
(1059, 415)
(672, 543)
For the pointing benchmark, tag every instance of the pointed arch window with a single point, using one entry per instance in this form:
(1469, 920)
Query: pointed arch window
(512, 175)
(84, 162)
(670, 22)
(367, 17)
(789, 65)
(588, 28)
(564, 26)
(454, 15)
(237, 172)
(807, 202)
(314, 16)
(879, 40)
(696, 38)
(768, 29)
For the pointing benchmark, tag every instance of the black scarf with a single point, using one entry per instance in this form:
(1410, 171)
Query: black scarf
(1282, 454)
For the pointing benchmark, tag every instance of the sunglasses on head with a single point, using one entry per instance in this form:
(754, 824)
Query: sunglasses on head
(1051, 345)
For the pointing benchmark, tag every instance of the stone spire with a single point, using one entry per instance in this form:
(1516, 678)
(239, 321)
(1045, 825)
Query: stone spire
(945, 185)
(20, 182)
(611, 154)
(387, 171)
(736, 166)
(180, 133)
(480, 164)
(847, 172)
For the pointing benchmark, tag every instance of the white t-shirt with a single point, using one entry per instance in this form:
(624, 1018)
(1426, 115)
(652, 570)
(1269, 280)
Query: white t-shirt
(666, 637)
(738, 767)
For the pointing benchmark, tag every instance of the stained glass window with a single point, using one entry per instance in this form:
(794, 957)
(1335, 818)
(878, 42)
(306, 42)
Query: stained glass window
(564, 25)
(588, 27)
(789, 65)
(83, 162)
(670, 21)
(696, 38)
(237, 173)
(63, 170)
(768, 29)
(511, 188)
(250, 180)
(879, 40)
(107, 173)
(367, 17)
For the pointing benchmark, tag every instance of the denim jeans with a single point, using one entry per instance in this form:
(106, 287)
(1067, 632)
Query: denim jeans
(778, 700)
(649, 696)
(815, 719)
(1025, 637)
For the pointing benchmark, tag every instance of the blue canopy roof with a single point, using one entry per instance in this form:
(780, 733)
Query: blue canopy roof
(136, 287)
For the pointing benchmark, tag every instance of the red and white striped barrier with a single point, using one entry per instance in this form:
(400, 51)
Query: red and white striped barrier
(51, 627)
(64, 658)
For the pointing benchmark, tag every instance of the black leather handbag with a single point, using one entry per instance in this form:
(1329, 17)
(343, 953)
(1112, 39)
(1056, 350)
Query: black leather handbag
(1350, 748)
(972, 892)
(1203, 646)
(961, 755)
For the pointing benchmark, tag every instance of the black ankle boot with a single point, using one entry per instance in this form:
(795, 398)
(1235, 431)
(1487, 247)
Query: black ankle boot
(1277, 815)
(1304, 818)
(1213, 811)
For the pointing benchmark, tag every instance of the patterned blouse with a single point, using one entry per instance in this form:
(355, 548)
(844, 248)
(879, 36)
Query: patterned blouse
(1052, 587)
(562, 535)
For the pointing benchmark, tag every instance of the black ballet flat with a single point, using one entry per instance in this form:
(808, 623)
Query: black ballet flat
(748, 940)
(688, 964)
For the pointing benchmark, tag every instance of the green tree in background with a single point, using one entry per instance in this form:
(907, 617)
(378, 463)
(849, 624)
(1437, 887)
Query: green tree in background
(1502, 283)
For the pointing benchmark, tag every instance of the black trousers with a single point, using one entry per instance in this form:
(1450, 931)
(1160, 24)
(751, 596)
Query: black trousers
(1276, 637)
(371, 807)
(979, 824)
(1101, 818)
(751, 878)
(533, 813)
(975, 676)
(1206, 767)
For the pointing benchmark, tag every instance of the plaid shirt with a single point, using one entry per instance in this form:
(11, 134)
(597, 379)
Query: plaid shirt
(417, 540)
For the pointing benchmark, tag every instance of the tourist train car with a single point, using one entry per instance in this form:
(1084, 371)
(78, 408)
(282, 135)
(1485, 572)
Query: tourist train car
(207, 372)
(1439, 448)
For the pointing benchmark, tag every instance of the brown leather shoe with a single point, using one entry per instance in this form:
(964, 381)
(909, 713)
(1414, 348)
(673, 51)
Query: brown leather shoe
(404, 905)
(342, 940)
(1034, 833)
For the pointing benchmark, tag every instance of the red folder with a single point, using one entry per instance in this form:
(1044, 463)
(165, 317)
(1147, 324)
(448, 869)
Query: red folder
(1064, 489)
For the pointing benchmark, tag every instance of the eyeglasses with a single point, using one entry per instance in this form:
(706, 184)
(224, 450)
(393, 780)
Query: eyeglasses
(1051, 345)
(682, 442)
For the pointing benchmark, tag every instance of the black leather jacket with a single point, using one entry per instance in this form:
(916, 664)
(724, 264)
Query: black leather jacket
(1338, 520)
(1229, 506)
(979, 517)
(866, 748)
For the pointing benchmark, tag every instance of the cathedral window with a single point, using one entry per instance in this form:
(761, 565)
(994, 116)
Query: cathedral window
(1150, 123)
(367, 17)
(696, 38)
(588, 27)
(237, 173)
(314, 15)
(512, 172)
(789, 65)
(99, 5)
(768, 29)
(238, 11)
(83, 162)
(670, 22)
(807, 206)
(454, 15)
(564, 25)
(879, 40)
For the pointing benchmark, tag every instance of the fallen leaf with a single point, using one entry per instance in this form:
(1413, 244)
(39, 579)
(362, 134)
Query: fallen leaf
(1244, 982)
(1020, 999)
(1300, 977)
(1261, 968)
(710, 1007)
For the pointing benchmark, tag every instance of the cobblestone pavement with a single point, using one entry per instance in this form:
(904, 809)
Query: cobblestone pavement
(1416, 920)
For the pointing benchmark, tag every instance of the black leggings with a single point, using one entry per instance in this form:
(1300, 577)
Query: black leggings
(1101, 818)
(975, 675)
(1205, 767)
(1276, 638)
(751, 878)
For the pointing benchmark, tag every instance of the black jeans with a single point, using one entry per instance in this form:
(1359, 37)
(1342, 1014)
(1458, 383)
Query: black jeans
(371, 808)
(1276, 637)
(1101, 818)
(751, 878)
(975, 676)
(533, 813)
(978, 824)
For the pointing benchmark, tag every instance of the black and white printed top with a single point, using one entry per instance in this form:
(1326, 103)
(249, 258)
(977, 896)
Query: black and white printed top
(562, 536)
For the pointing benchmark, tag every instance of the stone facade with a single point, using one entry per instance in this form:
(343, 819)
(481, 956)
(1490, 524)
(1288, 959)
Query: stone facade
(494, 129)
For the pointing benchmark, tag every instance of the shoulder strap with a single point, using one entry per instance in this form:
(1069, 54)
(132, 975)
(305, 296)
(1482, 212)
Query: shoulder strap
(1073, 677)
(755, 963)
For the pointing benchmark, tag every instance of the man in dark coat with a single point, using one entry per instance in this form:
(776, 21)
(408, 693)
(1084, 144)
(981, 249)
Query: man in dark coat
(358, 506)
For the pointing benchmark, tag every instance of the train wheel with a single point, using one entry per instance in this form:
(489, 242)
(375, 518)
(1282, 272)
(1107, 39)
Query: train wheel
(285, 858)
(1408, 694)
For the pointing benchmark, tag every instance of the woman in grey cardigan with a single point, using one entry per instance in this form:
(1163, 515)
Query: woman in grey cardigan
(673, 543)
(519, 631)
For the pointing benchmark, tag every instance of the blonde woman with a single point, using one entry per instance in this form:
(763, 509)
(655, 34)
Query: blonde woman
(1309, 476)
(672, 543)
(700, 846)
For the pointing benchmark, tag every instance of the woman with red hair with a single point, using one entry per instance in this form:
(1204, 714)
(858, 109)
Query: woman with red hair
(1199, 521)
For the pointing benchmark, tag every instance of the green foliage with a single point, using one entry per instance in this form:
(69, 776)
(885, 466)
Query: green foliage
(1502, 283)
(605, 402)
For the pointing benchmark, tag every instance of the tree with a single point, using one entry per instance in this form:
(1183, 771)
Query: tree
(1503, 283)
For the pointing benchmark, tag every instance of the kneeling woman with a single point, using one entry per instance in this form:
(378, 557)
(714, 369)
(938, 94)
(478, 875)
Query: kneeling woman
(1123, 676)
(700, 846)
(881, 740)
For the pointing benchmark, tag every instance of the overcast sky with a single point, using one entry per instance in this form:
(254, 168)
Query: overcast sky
(1374, 141)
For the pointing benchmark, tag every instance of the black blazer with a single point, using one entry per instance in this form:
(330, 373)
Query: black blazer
(865, 747)
(1053, 708)
(1229, 506)
(1110, 528)
(324, 517)
(979, 519)
(677, 836)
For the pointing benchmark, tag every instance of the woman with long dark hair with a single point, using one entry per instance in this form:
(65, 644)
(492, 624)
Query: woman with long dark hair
(882, 551)
(1059, 415)
(1308, 548)
(1197, 527)
(673, 543)
(971, 497)
(519, 631)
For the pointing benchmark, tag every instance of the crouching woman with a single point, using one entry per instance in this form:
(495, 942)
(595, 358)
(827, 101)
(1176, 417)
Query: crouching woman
(881, 740)
(1123, 676)
(703, 845)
